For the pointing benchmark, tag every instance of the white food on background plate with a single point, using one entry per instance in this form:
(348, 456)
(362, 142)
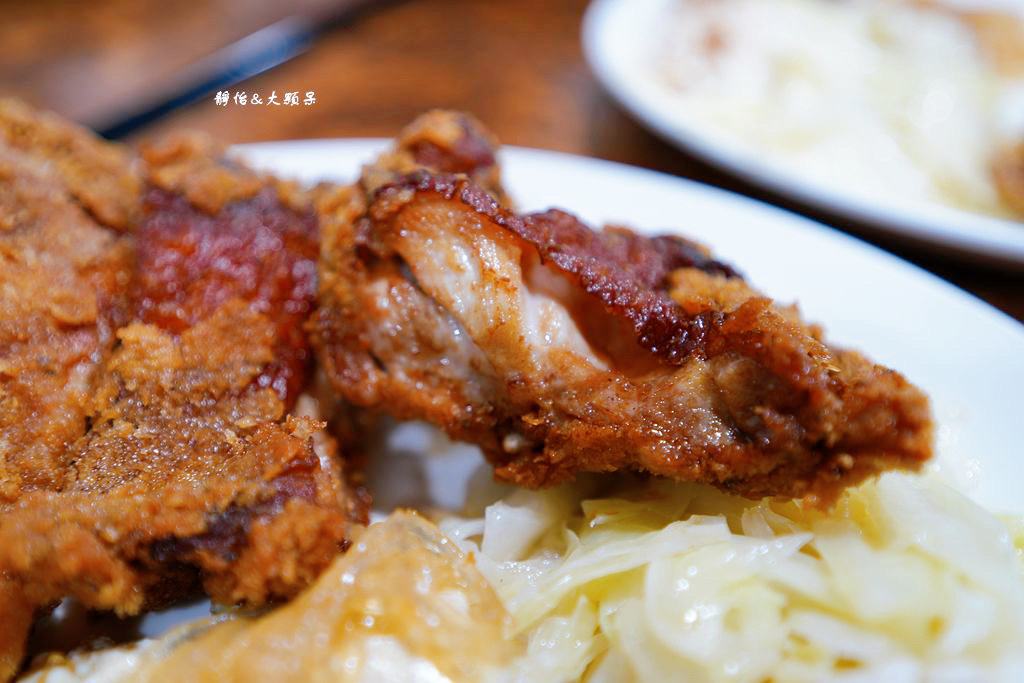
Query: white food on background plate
(887, 99)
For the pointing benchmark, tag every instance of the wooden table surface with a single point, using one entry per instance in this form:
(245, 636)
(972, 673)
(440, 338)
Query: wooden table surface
(516, 64)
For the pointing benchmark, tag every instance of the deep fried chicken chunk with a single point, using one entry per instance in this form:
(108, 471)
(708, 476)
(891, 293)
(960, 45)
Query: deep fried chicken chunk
(191, 466)
(560, 350)
(62, 276)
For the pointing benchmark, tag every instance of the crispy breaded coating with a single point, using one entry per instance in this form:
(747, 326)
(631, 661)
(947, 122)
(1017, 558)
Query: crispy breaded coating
(444, 142)
(559, 350)
(187, 463)
(190, 459)
(106, 179)
(62, 278)
(62, 281)
(165, 454)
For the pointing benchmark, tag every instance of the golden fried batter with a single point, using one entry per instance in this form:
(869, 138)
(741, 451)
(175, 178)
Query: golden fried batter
(62, 279)
(184, 465)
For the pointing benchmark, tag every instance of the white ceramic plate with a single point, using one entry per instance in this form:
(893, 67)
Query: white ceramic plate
(966, 354)
(616, 41)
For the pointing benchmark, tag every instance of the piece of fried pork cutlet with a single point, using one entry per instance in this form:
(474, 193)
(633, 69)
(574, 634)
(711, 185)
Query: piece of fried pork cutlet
(558, 349)
(186, 464)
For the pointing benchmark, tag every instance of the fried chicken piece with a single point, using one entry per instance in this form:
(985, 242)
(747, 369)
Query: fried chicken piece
(192, 466)
(560, 350)
(62, 276)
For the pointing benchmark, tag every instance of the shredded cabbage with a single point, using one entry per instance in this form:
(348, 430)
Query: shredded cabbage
(904, 580)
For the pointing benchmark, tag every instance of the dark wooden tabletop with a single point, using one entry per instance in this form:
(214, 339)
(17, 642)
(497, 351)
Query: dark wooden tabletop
(516, 64)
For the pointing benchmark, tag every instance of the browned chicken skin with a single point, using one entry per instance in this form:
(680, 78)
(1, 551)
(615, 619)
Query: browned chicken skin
(561, 350)
(148, 384)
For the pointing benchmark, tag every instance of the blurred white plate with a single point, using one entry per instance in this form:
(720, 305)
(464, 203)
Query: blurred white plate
(617, 36)
(964, 353)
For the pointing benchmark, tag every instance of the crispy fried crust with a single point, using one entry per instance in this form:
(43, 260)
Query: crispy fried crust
(61, 278)
(560, 350)
(104, 178)
(257, 250)
(191, 466)
(443, 142)
(188, 461)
